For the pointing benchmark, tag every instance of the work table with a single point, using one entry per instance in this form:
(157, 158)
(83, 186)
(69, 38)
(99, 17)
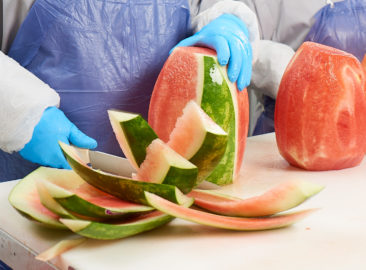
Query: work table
(334, 237)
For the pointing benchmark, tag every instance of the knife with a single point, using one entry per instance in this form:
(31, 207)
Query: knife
(122, 167)
(111, 164)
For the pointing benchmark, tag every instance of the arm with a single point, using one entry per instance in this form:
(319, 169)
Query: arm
(23, 99)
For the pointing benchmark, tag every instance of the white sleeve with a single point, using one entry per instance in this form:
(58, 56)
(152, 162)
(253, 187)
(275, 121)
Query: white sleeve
(23, 98)
(239, 9)
(270, 66)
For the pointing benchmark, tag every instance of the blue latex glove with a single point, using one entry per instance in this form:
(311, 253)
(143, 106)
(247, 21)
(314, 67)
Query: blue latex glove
(54, 126)
(228, 35)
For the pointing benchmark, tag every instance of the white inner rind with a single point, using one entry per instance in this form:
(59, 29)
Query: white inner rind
(116, 118)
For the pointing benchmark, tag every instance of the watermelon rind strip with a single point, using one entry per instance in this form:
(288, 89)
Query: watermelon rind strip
(225, 222)
(121, 187)
(70, 201)
(110, 231)
(281, 197)
(133, 133)
(25, 199)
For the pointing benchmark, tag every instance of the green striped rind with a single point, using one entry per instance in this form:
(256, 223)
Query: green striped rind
(217, 102)
(209, 155)
(74, 203)
(224, 222)
(47, 200)
(134, 134)
(25, 199)
(106, 231)
(184, 179)
(121, 187)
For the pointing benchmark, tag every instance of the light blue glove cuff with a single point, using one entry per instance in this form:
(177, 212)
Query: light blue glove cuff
(53, 127)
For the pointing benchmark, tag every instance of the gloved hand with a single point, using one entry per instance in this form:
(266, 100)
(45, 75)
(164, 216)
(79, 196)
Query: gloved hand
(54, 126)
(228, 35)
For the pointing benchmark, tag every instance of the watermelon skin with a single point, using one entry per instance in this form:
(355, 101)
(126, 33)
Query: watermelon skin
(225, 222)
(179, 82)
(282, 197)
(199, 139)
(133, 134)
(122, 187)
(320, 121)
(87, 201)
(164, 166)
(110, 231)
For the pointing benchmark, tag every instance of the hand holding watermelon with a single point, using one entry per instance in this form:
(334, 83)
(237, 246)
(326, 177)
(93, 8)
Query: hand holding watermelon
(229, 36)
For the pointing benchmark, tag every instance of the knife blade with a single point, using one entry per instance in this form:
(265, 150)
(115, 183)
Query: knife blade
(111, 163)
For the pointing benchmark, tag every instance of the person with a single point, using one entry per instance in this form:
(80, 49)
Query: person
(98, 55)
(284, 26)
(95, 54)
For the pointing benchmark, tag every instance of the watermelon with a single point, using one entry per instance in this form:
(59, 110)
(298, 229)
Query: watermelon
(163, 165)
(225, 222)
(117, 230)
(77, 196)
(123, 187)
(199, 139)
(364, 62)
(133, 134)
(25, 199)
(282, 197)
(320, 110)
(193, 73)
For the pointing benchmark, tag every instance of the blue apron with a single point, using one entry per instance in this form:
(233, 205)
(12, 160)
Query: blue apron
(98, 55)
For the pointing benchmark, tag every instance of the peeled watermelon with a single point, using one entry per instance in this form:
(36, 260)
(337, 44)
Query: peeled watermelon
(320, 113)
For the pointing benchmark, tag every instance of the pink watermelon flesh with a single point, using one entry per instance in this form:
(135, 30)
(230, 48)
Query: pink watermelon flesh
(282, 197)
(225, 222)
(100, 198)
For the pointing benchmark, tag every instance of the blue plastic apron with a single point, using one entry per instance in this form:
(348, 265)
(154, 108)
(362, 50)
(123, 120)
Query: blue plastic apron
(97, 54)
(341, 26)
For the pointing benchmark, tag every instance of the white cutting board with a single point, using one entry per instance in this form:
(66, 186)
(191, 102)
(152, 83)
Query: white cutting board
(334, 237)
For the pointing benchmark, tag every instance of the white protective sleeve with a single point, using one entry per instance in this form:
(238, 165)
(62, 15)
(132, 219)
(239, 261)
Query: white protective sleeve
(270, 66)
(23, 98)
(236, 8)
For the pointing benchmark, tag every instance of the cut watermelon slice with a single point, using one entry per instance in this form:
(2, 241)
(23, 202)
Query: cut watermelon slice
(122, 187)
(164, 166)
(224, 222)
(77, 196)
(133, 134)
(193, 73)
(199, 139)
(109, 231)
(282, 197)
(25, 199)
